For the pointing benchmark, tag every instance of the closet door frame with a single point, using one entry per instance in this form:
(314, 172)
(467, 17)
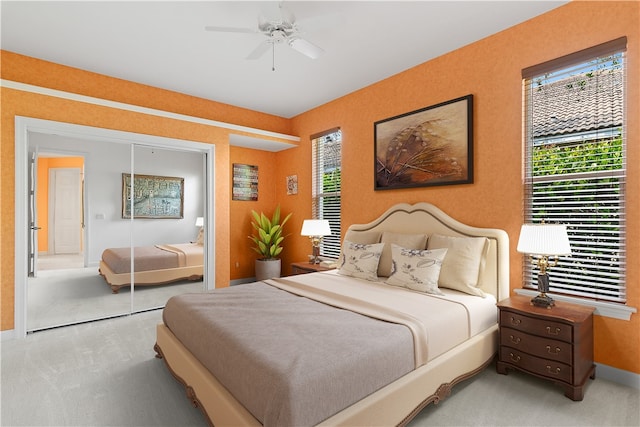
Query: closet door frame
(26, 125)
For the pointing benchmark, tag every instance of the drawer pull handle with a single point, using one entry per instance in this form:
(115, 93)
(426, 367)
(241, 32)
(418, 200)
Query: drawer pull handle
(556, 371)
(514, 358)
(555, 332)
(515, 321)
(557, 350)
(515, 340)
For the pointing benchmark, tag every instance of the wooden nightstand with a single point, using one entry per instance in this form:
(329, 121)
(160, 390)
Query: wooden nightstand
(554, 344)
(305, 267)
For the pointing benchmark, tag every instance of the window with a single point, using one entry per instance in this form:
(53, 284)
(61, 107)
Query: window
(326, 171)
(575, 167)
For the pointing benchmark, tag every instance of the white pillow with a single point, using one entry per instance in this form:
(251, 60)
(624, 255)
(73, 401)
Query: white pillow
(461, 266)
(408, 241)
(416, 269)
(364, 237)
(360, 260)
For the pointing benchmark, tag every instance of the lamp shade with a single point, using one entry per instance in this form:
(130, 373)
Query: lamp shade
(544, 239)
(199, 221)
(315, 227)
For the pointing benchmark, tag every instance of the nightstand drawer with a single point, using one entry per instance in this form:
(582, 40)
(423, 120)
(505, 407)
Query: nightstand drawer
(537, 365)
(538, 346)
(540, 327)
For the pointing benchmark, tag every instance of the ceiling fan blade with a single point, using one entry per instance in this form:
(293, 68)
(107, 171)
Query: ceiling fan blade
(259, 51)
(306, 48)
(229, 29)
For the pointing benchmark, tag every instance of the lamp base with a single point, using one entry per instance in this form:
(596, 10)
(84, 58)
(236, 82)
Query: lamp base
(315, 258)
(543, 300)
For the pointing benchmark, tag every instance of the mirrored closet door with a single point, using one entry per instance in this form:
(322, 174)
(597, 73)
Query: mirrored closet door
(137, 215)
(73, 217)
(167, 197)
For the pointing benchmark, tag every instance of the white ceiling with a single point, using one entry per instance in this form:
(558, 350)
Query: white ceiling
(164, 44)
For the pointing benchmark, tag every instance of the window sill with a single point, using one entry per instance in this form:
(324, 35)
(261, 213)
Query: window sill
(605, 309)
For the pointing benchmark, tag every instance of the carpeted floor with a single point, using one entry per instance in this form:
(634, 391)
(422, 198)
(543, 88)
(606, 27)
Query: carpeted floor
(105, 374)
(65, 296)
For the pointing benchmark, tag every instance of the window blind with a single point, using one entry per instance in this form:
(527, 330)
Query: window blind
(327, 175)
(575, 169)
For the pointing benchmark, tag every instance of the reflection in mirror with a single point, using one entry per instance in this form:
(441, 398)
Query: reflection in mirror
(167, 196)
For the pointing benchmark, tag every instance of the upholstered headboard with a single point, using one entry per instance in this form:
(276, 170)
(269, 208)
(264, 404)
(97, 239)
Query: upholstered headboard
(425, 218)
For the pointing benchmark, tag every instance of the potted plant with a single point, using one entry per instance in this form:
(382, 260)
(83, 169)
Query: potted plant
(267, 243)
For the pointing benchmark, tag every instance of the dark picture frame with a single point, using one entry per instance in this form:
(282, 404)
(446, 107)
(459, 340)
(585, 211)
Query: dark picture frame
(157, 197)
(427, 147)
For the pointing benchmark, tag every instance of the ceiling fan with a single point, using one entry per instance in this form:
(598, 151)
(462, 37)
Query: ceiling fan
(277, 31)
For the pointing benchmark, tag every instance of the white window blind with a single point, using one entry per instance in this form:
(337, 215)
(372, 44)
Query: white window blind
(575, 167)
(326, 171)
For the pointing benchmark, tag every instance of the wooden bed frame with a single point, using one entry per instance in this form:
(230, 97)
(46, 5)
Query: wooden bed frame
(398, 402)
(149, 278)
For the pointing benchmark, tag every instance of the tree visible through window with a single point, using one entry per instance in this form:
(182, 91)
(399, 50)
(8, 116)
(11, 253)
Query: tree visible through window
(575, 172)
(327, 175)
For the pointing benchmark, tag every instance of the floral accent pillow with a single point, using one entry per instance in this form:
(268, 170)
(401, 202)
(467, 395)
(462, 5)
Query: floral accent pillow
(360, 260)
(416, 269)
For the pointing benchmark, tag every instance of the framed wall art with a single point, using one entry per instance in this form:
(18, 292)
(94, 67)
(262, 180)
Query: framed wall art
(153, 196)
(427, 147)
(245, 182)
(292, 184)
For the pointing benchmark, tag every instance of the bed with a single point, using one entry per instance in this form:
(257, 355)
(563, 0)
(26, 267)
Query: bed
(154, 265)
(308, 357)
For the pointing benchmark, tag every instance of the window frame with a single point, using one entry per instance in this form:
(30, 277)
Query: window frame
(330, 245)
(608, 308)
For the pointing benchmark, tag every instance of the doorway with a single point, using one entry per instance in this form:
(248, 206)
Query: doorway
(57, 210)
(99, 217)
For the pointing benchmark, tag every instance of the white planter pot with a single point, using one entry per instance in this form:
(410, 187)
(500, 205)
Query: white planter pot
(267, 268)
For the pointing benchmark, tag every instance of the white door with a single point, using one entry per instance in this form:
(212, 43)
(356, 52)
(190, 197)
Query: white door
(65, 203)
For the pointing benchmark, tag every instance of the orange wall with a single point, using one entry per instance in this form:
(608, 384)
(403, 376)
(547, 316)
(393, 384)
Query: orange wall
(490, 70)
(44, 164)
(41, 73)
(242, 256)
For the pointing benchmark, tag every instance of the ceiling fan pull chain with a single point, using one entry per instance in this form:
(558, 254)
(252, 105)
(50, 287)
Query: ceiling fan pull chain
(273, 56)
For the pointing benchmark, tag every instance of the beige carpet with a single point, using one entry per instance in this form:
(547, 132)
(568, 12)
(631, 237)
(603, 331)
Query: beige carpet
(66, 296)
(105, 374)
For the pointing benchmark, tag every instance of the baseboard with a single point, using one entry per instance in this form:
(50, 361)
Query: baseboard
(242, 281)
(619, 376)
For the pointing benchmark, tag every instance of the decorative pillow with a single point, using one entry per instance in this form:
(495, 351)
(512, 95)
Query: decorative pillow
(461, 266)
(200, 239)
(416, 269)
(363, 237)
(360, 260)
(408, 241)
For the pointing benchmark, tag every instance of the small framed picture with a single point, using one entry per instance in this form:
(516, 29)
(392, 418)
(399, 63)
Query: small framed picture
(292, 184)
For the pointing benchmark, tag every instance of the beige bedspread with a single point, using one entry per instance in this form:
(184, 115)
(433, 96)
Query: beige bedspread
(189, 254)
(278, 352)
(159, 257)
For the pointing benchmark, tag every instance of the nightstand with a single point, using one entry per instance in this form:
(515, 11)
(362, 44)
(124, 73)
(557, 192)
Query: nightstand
(306, 267)
(555, 344)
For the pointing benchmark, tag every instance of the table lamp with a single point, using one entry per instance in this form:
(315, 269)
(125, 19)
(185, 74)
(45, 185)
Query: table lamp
(315, 229)
(543, 241)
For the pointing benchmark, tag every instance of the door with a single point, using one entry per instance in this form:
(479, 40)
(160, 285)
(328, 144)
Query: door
(103, 216)
(65, 201)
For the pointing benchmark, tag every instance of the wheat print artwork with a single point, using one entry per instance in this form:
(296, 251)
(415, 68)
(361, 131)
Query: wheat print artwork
(432, 146)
